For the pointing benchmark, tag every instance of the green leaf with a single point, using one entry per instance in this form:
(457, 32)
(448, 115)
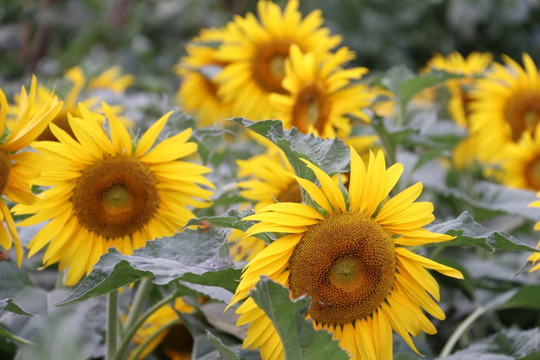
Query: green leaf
(208, 141)
(511, 344)
(225, 353)
(329, 155)
(410, 87)
(232, 219)
(165, 259)
(493, 197)
(470, 233)
(226, 278)
(527, 297)
(9, 305)
(298, 337)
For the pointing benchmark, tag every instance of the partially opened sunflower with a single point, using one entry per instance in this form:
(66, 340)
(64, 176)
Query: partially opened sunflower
(348, 253)
(534, 258)
(107, 192)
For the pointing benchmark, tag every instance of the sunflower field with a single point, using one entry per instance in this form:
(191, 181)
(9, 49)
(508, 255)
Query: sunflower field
(270, 180)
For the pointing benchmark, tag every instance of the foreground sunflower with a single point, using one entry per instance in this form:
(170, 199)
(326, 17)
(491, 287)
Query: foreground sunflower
(506, 104)
(17, 167)
(109, 192)
(256, 55)
(320, 98)
(348, 254)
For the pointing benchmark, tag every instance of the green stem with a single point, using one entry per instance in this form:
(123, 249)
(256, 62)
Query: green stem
(449, 346)
(152, 337)
(386, 140)
(130, 332)
(20, 340)
(112, 324)
(140, 296)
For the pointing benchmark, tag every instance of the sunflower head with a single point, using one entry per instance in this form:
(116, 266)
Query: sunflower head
(107, 192)
(347, 252)
(535, 258)
(506, 104)
(320, 98)
(257, 53)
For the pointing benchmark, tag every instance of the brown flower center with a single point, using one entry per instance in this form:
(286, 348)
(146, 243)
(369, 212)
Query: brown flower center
(311, 109)
(532, 174)
(346, 263)
(522, 113)
(291, 194)
(269, 65)
(5, 169)
(116, 196)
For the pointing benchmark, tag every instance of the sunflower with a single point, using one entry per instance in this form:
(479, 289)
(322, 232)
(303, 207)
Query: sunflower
(270, 180)
(76, 76)
(242, 247)
(319, 96)
(534, 258)
(17, 167)
(348, 253)
(166, 321)
(257, 53)
(198, 93)
(111, 79)
(474, 65)
(506, 104)
(521, 164)
(109, 192)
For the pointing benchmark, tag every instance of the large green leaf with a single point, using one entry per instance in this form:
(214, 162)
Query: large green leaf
(298, 337)
(330, 155)
(470, 233)
(511, 344)
(165, 259)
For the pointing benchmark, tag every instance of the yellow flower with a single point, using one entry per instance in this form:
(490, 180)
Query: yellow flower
(244, 248)
(320, 97)
(521, 162)
(76, 76)
(162, 317)
(257, 53)
(269, 179)
(198, 93)
(112, 79)
(474, 65)
(348, 253)
(110, 193)
(17, 167)
(505, 105)
(534, 258)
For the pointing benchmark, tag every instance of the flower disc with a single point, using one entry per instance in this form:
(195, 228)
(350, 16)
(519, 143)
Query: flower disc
(269, 65)
(5, 169)
(347, 264)
(522, 113)
(115, 197)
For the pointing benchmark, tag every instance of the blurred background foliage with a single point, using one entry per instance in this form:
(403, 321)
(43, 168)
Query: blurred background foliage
(148, 37)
